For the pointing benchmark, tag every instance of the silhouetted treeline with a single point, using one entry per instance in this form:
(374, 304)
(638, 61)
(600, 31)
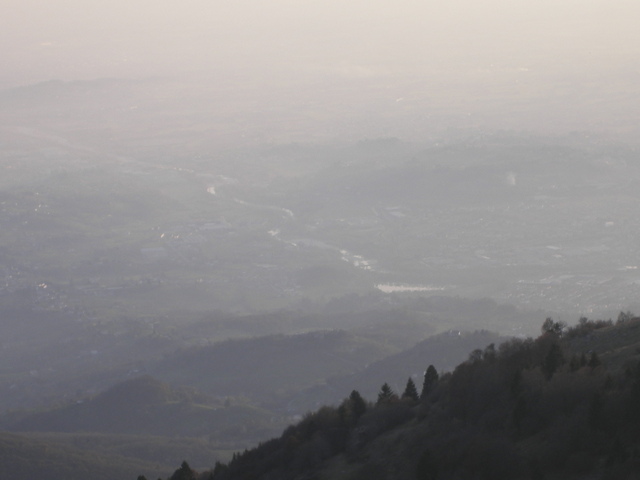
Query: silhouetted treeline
(526, 409)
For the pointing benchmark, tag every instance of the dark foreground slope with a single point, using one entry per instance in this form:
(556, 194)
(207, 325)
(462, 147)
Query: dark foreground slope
(563, 406)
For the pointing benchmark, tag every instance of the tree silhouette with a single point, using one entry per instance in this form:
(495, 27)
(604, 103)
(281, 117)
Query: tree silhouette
(410, 391)
(358, 405)
(430, 380)
(624, 316)
(220, 471)
(184, 473)
(555, 328)
(385, 394)
(552, 361)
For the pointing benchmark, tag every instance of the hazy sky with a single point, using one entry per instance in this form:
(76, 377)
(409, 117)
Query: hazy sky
(81, 39)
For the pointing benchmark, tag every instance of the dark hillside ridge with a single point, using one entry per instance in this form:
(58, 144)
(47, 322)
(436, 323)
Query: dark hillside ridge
(525, 409)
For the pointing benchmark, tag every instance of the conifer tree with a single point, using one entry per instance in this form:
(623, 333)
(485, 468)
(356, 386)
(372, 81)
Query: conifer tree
(410, 391)
(385, 394)
(220, 471)
(552, 361)
(358, 405)
(184, 473)
(430, 380)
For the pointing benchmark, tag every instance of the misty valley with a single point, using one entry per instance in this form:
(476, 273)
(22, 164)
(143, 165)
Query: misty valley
(169, 295)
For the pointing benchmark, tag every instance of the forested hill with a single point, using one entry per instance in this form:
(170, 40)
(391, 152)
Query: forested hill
(561, 406)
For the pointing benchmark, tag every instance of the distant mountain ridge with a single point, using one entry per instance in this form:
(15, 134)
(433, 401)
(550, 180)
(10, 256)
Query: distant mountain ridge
(444, 350)
(269, 367)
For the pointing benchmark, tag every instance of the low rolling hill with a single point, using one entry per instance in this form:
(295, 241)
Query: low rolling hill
(267, 369)
(146, 406)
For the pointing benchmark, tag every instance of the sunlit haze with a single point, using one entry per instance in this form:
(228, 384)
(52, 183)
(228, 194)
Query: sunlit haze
(548, 63)
(73, 39)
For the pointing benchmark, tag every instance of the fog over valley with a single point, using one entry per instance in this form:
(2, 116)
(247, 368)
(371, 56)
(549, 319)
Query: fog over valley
(224, 226)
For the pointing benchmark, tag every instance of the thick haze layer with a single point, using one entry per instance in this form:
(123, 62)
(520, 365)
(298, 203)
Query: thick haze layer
(348, 70)
(167, 85)
(74, 39)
